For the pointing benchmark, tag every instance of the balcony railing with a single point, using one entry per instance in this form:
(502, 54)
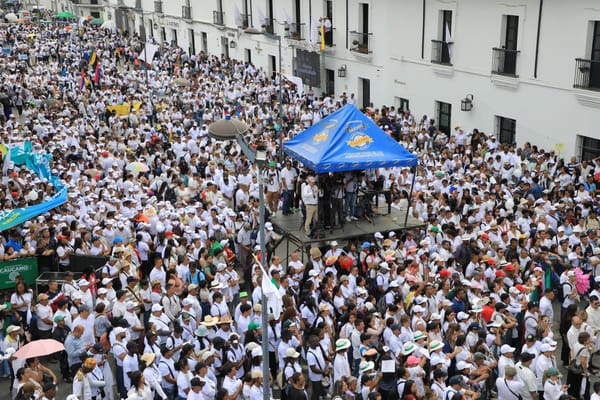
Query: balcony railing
(268, 26)
(245, 20)
(158, 7)
(504, 62)
(218, 18)
(587, 74)
(294, 31)
(361, 42)
(186, 12)
(440, 52)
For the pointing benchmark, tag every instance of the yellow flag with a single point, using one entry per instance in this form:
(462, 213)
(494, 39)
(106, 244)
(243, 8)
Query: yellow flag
(322, 29)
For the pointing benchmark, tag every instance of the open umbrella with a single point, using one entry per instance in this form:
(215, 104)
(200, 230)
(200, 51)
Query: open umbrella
(96, 21)
(137, 167)
(110, 24)
(39, 348)
(181, 82)
(65, 15)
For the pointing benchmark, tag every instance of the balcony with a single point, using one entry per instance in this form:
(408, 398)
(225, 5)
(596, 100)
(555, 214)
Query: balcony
(268, 26)
(504, 62)
(186, 12)
(294, 31)
(440, 52)
(245, 20)
(158, 7)
(587, 74)
(218, 18)
(361, 42)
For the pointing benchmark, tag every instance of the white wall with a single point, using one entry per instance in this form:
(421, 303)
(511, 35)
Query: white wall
(547, 108)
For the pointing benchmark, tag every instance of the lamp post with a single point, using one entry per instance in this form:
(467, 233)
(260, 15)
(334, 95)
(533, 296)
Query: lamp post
(254, 31)
(231, 129)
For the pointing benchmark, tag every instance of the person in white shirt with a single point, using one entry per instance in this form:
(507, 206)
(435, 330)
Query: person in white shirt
(131, 363)
(232, 384)
(317, 367)
(341, 367)
(310, 198)
(553, 387)
(195, 393)
(506, 359)
(596, 394)
(509, 387)
(527, 376)
(44, 317)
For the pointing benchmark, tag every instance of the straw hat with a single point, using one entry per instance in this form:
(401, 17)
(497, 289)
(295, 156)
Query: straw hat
(209, 320)
(148, 358)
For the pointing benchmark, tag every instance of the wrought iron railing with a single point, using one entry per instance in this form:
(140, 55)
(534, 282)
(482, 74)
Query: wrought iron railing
(504, 62)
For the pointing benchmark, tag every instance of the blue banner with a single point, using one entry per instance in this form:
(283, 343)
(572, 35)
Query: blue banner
(22, 155)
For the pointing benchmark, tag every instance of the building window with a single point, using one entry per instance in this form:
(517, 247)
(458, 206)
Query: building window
(441, 49)
(444, 116)
(587, 70)
(361, 38)
(589, 148)
(504, 58)
(506, 129)
(402, 104)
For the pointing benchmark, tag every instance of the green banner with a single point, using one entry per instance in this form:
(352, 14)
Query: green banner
(9, 270)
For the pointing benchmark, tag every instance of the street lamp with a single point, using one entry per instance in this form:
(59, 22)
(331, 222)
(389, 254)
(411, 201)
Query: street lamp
(232, 129)
(254, 31)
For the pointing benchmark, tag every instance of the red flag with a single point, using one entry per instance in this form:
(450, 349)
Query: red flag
(97, 74)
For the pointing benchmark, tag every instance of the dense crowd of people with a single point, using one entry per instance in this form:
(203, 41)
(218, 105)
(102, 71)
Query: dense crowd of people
(463, 308)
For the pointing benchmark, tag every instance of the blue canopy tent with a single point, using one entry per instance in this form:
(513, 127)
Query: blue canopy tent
(347, 140)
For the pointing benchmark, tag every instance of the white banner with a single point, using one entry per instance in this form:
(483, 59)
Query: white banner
(147, 55)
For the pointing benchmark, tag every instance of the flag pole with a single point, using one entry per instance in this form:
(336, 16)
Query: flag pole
(263, 259)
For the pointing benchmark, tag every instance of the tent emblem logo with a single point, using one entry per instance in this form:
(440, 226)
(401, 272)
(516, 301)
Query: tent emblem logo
(360, 141)
(320, 137)
(331, 124)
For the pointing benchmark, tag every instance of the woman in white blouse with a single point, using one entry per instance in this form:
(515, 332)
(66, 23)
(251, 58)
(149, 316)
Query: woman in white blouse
(152, 376)
(139, 389)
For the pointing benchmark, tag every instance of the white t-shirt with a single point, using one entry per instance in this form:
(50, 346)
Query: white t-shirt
(183, 382)
(130, 364)
(315, 357)
(43, 312)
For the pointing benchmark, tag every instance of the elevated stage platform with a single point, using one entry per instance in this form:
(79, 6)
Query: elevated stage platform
(291, 228)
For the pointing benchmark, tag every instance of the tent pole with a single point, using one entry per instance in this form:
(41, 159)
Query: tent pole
(412, 185)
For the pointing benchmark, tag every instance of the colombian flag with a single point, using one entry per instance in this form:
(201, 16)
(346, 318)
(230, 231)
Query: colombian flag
(97, 74)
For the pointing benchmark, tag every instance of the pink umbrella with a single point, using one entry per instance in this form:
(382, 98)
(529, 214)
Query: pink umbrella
(583, 281)
(39, 348)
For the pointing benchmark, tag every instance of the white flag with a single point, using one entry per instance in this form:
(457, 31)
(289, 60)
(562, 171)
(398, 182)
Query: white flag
(274, 298)
(296, 81)
(314, 31)
(147, 55)
(449, 41)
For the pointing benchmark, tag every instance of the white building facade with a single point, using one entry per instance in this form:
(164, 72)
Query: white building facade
(531, 67)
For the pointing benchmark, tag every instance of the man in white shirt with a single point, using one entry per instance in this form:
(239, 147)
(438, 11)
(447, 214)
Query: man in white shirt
(508, 387)
(310, 198)
(317, 367)
(130, 363)
(527, 376)
(44, 317)
(288, 183)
